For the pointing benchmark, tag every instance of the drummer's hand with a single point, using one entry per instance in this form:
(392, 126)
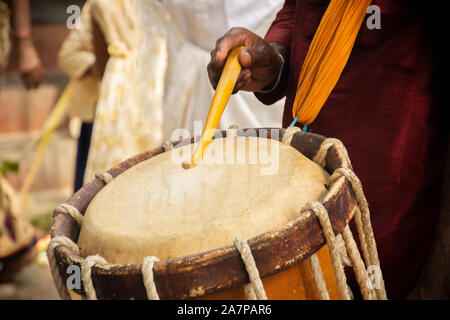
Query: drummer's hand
(260, 61)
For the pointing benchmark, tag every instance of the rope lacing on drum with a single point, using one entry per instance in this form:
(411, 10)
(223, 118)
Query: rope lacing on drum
(256, 289)
(70, 210)
(86, 274)
(167, 145)
(321, 156)
(321, 212)
(363, 223)
(90, 261)
(149, 281)
(364, 228)
(343, 248)
(86, 270)
(289, 134)
(104, 176)
(57, 278)
(318, 277)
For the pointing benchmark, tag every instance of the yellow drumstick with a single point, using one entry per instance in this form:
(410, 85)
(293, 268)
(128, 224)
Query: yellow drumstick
(224, 90)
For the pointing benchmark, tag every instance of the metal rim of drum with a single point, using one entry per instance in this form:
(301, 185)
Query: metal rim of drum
(212, 271)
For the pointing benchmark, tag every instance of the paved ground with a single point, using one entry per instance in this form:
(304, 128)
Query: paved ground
(33, 282)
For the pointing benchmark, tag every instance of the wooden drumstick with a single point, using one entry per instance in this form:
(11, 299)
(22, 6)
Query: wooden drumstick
(224, 90)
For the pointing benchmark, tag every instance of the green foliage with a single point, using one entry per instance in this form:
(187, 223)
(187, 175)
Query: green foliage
(9, 166)
(43, 221)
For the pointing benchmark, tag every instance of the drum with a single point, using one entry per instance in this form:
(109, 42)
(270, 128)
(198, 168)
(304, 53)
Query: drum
(196, 251)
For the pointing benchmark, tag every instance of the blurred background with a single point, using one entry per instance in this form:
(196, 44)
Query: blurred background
(23, 114)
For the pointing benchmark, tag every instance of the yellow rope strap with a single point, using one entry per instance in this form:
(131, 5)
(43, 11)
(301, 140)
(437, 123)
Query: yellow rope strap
(327, 56)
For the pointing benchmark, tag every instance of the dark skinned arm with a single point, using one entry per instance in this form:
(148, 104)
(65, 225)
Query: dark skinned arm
(24, 52)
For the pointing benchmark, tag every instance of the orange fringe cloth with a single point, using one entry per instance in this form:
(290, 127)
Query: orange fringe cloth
(327, 56)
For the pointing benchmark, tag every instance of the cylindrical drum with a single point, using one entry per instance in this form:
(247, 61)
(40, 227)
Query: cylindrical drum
(237, 216)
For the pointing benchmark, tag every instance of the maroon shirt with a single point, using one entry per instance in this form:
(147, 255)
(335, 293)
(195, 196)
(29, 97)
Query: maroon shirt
(385, 109)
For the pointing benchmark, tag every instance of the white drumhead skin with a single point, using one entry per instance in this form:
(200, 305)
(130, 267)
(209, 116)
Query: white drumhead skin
(157, 208)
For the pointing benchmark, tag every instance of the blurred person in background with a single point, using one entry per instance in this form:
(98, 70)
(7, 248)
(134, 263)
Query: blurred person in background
(17, 235)
(77, 59)
(15, 25)
(117, 76)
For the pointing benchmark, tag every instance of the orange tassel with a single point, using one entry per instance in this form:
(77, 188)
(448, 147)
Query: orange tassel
(327, 56)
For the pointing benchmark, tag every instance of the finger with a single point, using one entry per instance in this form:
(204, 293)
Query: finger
(213, 75)
(215, 65)
(245, 74)
(234, 38)
(261, 54)
(239, 85)
(243, 80)
(245, 58)
(213, 53)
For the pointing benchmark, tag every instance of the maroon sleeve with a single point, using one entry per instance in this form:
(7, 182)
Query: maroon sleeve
(280, 32)
(281, 28)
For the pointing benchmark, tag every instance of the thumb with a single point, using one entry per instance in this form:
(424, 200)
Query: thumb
(246, 58)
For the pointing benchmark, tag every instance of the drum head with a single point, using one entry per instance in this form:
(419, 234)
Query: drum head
(244, 187)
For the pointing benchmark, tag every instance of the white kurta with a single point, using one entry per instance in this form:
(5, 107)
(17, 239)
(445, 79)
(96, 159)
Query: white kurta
(128, 115)
(188, 92)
